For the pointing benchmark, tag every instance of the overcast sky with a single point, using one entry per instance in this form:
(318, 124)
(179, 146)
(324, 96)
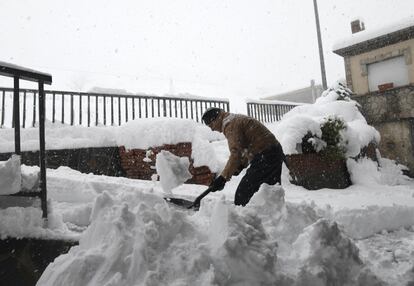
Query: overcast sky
(218, 48)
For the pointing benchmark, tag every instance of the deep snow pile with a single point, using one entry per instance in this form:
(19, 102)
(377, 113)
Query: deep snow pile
(139, 239)
(360, 211)
(333, 103)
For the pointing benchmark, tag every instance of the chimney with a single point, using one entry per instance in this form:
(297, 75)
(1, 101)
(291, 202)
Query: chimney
(357, 26)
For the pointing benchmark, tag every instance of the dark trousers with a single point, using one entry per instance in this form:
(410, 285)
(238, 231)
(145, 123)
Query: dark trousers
(266, 167)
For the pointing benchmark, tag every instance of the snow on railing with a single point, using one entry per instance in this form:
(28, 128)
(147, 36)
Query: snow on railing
(93, 109)
(268, 111)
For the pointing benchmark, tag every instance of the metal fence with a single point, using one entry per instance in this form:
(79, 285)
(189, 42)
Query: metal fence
(21, 73)
(269, 111)
(93, 109)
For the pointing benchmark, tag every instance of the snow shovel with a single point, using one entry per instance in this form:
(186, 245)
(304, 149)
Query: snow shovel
(189, 204)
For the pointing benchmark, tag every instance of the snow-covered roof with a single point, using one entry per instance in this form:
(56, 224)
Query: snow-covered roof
(302, 95)
(376, 38)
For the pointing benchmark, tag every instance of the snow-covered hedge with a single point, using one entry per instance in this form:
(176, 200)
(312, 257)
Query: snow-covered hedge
(334, 111)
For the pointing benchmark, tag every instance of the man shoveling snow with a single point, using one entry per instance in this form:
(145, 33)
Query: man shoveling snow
(250, 142)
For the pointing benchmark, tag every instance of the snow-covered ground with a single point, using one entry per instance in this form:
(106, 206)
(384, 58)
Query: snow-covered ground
(129, 235)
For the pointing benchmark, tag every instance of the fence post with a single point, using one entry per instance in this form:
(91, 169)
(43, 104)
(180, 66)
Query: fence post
(2, 108)
(89, 110)
(133, 108)
(104, 109)
(34, 109)
(152, 107)
(24, 109)
(112, 111)
(119, 111)
(63, 108)
(146, 107)
(139, 107)
(164, 107)
(96, 110)
(53, 107)
(72, 111)
(80, 109)
(16, 115)
(196, 110)
(126, 109)
(42, 151)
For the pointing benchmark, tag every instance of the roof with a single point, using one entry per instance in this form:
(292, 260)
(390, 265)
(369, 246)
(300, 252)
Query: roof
(12, 70)
(369, 40)
(303, 95)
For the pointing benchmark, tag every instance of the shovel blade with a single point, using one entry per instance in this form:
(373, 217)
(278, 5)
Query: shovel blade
(182, 203)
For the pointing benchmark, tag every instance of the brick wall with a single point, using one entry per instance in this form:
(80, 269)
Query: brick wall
(115, 161)
(97, 160)
(140, 163)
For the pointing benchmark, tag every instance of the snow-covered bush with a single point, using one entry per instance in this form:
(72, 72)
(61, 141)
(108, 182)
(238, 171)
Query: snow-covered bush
(333, 125)
(331, 143)
(338, 91)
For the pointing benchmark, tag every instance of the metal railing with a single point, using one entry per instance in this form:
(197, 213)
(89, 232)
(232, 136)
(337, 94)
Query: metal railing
(20, 73)
(268, 111)
(93, 109)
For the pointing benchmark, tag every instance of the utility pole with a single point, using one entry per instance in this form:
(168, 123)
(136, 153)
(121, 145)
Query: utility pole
(318, 30)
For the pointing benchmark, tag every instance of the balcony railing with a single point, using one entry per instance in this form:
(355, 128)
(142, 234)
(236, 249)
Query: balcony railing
(94, 109)
(20, 73)
(268, 111)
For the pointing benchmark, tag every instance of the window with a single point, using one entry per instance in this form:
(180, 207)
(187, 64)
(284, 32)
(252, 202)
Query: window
(393, 70)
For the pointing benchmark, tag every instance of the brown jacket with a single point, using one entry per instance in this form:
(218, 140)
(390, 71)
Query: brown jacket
(246, 137)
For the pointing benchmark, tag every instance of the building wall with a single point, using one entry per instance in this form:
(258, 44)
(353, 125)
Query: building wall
(397, 141)
(392, 114)
(356, 66)
(394, 104)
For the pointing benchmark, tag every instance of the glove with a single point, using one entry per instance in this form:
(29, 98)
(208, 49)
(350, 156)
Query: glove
(218, 184)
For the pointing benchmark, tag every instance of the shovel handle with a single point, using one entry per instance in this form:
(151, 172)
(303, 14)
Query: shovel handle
(199, 198)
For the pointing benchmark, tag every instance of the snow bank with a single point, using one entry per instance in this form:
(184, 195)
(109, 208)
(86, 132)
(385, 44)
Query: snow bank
(140, 240)
(59, 136)
(308, 118)
(10, 176)
(139, 133)
(365, 222)
(28, 222)
(366, 172)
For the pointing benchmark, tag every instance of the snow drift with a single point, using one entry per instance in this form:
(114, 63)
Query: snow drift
(143, 241)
